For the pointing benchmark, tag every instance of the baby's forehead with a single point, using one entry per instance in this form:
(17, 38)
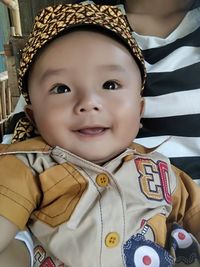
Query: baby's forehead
(94, 49)
(90, 35)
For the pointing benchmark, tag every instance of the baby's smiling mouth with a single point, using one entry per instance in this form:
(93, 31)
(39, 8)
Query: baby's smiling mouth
(92, 131)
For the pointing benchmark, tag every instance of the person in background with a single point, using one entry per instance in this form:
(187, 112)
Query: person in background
(168, 34)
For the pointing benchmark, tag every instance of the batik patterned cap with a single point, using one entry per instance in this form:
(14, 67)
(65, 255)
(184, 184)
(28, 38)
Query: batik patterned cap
(53, 20)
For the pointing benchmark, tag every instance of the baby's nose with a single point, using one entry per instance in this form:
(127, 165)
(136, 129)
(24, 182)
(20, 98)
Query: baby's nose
(88, 104)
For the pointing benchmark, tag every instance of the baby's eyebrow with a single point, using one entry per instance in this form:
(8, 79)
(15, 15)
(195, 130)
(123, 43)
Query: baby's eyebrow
(54, 72)
(112, 67)
(51, 72)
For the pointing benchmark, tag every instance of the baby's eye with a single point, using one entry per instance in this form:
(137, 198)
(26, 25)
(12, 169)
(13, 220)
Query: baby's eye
(60, 89)
(111, 85)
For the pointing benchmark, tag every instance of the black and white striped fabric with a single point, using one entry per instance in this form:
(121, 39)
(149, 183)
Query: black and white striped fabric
(172, 96)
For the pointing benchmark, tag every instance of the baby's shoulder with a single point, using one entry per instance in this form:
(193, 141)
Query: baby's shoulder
(33, 145)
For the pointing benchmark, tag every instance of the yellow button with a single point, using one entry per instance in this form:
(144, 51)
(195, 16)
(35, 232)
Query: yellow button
(112, 240)
(102, 180)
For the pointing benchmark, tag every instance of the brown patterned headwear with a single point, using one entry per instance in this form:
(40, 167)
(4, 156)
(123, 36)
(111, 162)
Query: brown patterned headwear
(54, 20)
(59, 19)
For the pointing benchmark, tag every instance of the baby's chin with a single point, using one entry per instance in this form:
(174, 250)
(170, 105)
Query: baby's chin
(96, 155)
(102, 160)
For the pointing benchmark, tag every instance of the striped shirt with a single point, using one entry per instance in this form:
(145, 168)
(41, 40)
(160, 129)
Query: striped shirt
(172, 94)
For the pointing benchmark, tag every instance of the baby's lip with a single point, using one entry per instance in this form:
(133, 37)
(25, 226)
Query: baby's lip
(92, 130)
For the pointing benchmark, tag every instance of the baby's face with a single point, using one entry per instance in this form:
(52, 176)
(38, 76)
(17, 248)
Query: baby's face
(85, 95)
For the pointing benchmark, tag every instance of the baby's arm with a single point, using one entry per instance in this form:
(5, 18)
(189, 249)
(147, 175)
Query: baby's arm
(186, 204)
(19, 194)
(15, 254)
(12, 252)
(8, 231)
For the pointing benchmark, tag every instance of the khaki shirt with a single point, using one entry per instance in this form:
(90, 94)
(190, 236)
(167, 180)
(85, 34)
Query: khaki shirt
(100, 216)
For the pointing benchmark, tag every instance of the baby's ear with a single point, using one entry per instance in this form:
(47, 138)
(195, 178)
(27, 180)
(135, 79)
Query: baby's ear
(28, 109)
(142, 106)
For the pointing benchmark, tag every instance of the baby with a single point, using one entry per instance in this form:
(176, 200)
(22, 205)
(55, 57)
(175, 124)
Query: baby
(88, 195)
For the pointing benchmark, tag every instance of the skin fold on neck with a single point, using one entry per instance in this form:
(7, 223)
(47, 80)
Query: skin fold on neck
(156, 17)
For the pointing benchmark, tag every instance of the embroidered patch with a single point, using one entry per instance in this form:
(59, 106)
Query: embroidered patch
(139, 252)
(41, 259)
(153, 179)
(185, 247)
